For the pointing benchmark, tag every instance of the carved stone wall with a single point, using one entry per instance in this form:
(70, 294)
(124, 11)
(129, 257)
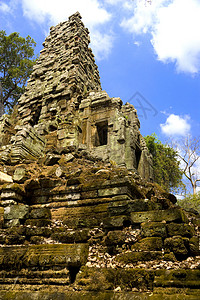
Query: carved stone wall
(64, 103)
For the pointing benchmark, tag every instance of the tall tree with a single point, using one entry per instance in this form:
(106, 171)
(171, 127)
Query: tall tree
(166, 165)
(16, 62)
(188, 150)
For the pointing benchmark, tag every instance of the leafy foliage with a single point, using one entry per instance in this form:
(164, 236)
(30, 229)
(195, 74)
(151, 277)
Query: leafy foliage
(191, 201)
(167, 172)
(16, 62)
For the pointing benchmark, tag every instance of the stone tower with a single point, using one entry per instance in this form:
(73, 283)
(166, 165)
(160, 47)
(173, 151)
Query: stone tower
(64, 105)
(76, 219)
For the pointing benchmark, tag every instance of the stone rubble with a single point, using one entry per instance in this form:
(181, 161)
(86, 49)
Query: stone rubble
(79, 213)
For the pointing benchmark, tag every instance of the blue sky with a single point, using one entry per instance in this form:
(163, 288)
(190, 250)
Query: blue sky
(147, 53)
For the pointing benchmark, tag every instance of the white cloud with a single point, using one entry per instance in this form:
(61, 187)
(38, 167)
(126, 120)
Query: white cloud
(137, 43)
(176, 125)
(56, 11)
(106, 42)
(5, 8)
(51, 12)
(114, 2)
(174, 26)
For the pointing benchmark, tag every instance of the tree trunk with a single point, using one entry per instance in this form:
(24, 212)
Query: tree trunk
(1, 101)
(194, 189)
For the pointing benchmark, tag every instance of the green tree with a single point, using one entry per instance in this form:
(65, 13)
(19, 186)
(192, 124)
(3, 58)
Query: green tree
(190, 201)
(16, 62)
(166, 166)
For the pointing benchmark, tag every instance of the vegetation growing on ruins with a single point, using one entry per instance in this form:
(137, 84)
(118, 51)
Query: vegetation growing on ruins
(166, 166)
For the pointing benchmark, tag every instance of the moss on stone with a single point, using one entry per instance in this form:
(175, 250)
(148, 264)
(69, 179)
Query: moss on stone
(94, 279)
(148, 244)
(131, 257)
(177, 245)
(154, 229)
(174, 229)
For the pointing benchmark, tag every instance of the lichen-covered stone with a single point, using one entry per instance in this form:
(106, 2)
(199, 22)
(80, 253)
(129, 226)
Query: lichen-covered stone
(116, 222)
(133, 256)
(174, 229)
(179, 278)
(70, 236)
(20, 175)
(79, 222)
(16, 212)
(168, 215)
(56, 254)
(40, 213)
(154, 229)
(148, 244)
(194, 245)
(177, 245)
(93, 279)
(115, 237)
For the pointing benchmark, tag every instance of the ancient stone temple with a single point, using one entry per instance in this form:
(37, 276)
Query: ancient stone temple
(65, 105)
(80, 217)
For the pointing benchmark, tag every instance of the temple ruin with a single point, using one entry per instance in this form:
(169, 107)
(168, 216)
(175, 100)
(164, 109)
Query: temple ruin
(80, 216)
(64, 105)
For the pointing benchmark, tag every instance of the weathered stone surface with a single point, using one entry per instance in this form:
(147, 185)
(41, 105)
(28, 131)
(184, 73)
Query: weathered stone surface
(180, 278)
(131, 257)
(168, 215)
(194, 245)
(40, 213)
(1, 216)
(148, 244)
(115, 237)
(154, 229)
(5, 178)
(16, 212)
(20, 175)
(107, 279)
(116, 222)
(180, 229)
(177, 244)
(44, 255)
(66, 236)
(88, 222)
(56, 254)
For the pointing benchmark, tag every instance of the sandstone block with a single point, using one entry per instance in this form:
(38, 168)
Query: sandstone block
(116, 222)
(40, 213)
(148, 244)
(168, 215)
(116, 237)
(16, 212)
(131, 257)
(143, 205)
(154, 229)
(194, 244)
(177, 245)
(51, 159)
(55, 255)
(20, 175)
(174, 229)
(113, 191)
(5, 178)
(78, 236)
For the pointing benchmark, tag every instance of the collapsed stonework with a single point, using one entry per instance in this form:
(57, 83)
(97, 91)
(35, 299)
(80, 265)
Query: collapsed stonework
(65, 105)
(79, 215)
